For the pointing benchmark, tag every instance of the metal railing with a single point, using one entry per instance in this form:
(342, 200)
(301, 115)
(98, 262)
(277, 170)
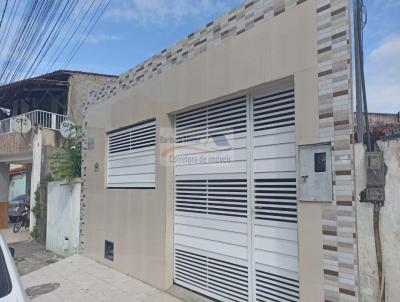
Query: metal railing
(40, 118)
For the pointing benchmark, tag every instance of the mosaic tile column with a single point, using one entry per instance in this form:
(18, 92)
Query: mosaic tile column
(336, 126)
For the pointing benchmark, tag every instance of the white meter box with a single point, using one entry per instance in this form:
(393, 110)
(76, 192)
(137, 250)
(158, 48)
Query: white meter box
(315, 181)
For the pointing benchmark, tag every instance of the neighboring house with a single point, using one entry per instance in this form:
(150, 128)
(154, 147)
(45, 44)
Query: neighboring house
(17, 182)
(46, 101)
(384, 125)
(225, 163)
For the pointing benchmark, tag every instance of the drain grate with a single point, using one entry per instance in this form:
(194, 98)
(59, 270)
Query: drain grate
(36, 291)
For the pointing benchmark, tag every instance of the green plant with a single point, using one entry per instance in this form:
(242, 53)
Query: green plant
(37, 212)
(35, 232)
(49, 178)
(37, 208)
(65, 164)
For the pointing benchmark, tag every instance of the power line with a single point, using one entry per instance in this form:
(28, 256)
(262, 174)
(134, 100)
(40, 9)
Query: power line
(19, 34)
(361, 95)
(42, 26)
(9, 23)
(4, 11)
(88, 32)
(60, 51)
(52, 36)
(33, 36)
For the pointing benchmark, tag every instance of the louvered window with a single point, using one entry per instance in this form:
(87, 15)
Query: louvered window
(273, 287)
(276, 199)
(222, 119)
(223, 280)
(274, 111)
(213, 197)
(131, 156)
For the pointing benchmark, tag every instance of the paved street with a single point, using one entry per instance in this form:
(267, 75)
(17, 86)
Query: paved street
(80, 279)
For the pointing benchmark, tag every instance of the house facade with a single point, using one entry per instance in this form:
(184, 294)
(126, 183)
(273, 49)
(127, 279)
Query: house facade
(225, 163)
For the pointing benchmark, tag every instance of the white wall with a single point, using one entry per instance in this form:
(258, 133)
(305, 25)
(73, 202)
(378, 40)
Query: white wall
(368, 271)
(390, 227)
(36, 171)
(390, 219)
(63, 214)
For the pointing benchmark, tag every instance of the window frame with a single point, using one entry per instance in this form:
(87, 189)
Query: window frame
(108, 154)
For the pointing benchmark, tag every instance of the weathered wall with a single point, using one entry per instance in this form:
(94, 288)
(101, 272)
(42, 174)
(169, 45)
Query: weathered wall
(369, 280)
(80, 86)
(18, 148)
(51, 141)
(390, 227)
(379, 119)
(63, 208)
(390, 219)
(14, 143)
(4, 185)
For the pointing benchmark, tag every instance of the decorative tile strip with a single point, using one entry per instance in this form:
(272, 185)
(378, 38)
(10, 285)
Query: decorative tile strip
(236, 22)
(336, 126)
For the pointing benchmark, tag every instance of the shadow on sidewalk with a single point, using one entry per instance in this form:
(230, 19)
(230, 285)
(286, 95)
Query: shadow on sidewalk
(31, 256)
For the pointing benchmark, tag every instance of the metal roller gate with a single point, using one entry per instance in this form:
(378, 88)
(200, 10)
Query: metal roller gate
(235, 199)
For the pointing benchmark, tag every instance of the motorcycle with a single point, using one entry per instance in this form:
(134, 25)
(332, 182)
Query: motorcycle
(22, 220)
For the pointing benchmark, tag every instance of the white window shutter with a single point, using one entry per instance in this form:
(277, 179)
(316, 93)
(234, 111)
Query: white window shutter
(131, 157)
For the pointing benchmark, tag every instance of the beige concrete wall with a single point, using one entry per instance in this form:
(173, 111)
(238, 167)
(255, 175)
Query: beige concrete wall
(80, 86)
(140, 222)
(309, 214)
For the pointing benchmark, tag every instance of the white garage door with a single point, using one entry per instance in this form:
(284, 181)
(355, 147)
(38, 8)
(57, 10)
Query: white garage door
(235, 199)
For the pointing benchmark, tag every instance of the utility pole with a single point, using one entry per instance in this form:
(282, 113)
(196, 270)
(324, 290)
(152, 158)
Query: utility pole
(363, 128)
(359, 99)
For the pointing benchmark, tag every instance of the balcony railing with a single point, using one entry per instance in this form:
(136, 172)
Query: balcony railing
(41, 118)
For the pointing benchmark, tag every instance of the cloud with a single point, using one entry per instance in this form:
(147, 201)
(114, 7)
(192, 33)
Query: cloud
(164, 12)
(383, 76)
(385, 4)
(101, 37)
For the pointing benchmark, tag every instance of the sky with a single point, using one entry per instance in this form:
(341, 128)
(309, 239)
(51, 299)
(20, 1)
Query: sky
(133, 30)
(382, 55)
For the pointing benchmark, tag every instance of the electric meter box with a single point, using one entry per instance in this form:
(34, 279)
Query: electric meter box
(315, 176)
(375, 194)
(376, 169)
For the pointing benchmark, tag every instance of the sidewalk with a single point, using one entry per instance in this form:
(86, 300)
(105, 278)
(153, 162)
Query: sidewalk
(80, 279)
(11, 237)
(31, 256)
